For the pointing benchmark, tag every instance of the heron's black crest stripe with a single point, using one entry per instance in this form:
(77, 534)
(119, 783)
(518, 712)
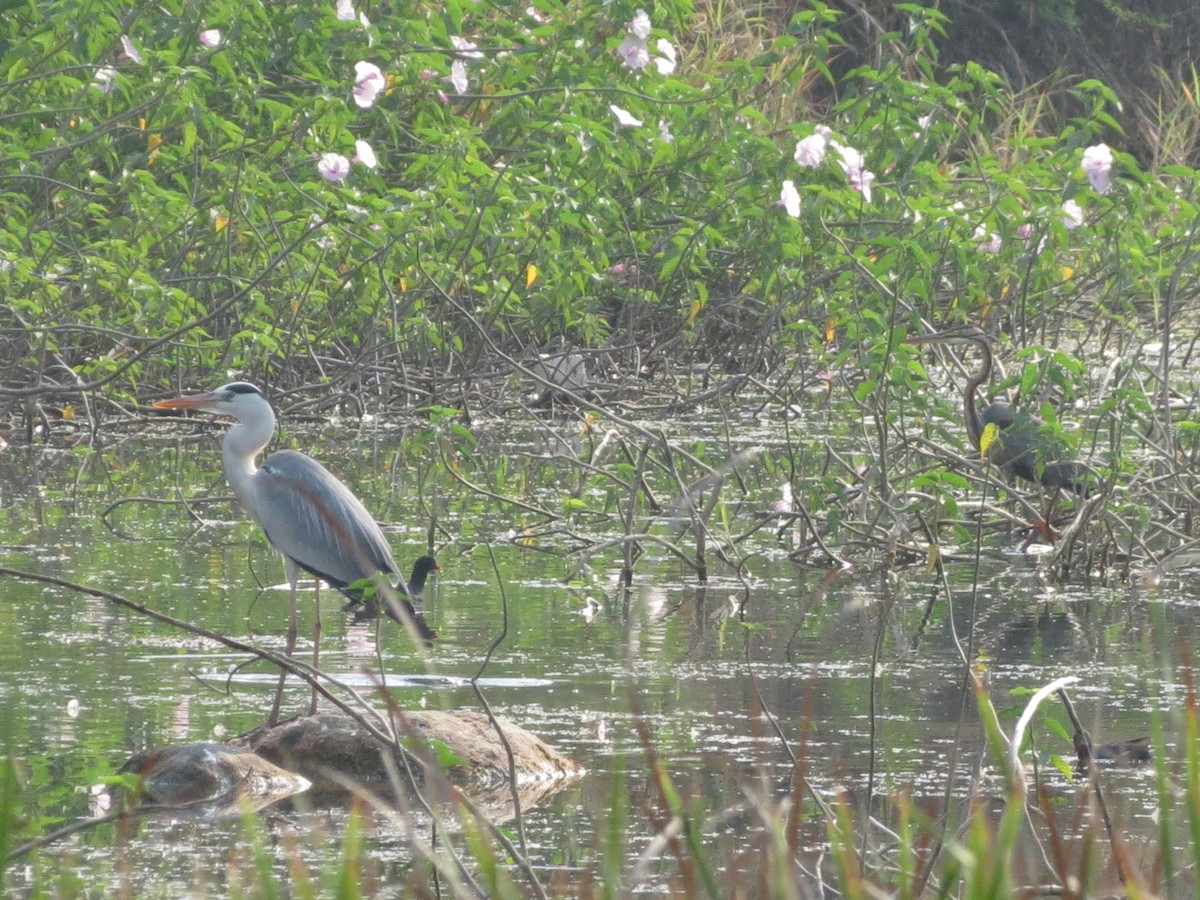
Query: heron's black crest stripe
(241, 387)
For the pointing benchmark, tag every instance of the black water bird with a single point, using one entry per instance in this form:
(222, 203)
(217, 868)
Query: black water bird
(1022, 446)
(1133, 752)
(414, 590)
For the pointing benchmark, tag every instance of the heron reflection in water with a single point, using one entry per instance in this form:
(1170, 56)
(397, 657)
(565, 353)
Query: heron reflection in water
(1023, 445)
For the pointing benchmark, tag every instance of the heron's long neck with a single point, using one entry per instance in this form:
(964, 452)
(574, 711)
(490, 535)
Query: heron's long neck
(970, 412)
(242, 443)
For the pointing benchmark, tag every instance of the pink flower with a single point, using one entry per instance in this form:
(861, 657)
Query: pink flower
(810, 151)
(625, 119)
(1071, 215)
(861, 182)
(364, 153)
(1025, 231)
(852, 164)
(1097, 163)
(990, 242)
(368, 82)
(458, 76)
(129, 50)
(345, 10)
(442, 98)
(634, 51)
(211, 38)
(333, 167)
(789, 199)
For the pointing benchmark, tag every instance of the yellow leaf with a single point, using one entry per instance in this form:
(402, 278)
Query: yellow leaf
(935, 554)
(68, 413)
(830, 329)
(142, 124)
(402, 284)
(531, 274)
(295, 307)
(153, 142)
(693, 311)
(219, 222)
(991, 431)
(1067, 273)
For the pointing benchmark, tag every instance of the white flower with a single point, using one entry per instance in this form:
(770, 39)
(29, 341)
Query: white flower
(211, 38)
(458, 76)
(368, 82)
(1072, 215)
(333, 167)
(465, 49)
(1097, 163)
(789, 199)
(665, 62)
(664, 132)
(625, 119)
(345, 10)
(105, 79)
(639, 25)
(364, 153)
(127, 49)
(810, 151)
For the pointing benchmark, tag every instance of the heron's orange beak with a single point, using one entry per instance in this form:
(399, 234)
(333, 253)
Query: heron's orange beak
(189, 402)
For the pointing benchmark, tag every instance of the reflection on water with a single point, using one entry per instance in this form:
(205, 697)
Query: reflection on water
(85, 684)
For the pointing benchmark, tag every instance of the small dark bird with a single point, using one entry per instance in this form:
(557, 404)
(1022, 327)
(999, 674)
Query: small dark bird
(1022, 447)
(1134, 752)
(368, 608)
(421, 570)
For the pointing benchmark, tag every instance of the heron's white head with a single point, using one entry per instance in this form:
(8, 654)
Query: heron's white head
(238, 400)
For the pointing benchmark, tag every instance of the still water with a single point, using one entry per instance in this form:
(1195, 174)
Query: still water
(516, 525)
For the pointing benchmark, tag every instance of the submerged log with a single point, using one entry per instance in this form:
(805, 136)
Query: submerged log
(210, 777)
(332, 751)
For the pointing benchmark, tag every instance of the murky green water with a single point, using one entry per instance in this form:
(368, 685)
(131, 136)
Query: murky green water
(84, 684)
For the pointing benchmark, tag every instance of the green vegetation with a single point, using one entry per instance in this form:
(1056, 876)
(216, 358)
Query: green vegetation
(398, 207)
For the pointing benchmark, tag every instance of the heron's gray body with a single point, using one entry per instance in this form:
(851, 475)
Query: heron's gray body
(316, 522)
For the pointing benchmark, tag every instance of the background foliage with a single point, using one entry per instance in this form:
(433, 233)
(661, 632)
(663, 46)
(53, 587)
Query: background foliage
(164, 216)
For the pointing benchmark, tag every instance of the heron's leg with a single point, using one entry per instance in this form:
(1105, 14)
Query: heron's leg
(316, 657)
(293, 578)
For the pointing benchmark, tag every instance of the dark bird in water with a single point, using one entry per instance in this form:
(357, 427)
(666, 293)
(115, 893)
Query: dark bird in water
(1022, 445)
(421, 570)
(308, 515)
(1134, 752)
(414, 590)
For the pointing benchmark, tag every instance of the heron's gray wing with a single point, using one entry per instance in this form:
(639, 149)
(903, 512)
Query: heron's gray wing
(314, 519)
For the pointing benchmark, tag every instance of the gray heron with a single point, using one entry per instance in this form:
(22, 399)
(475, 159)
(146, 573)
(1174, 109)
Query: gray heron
(308, 515)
